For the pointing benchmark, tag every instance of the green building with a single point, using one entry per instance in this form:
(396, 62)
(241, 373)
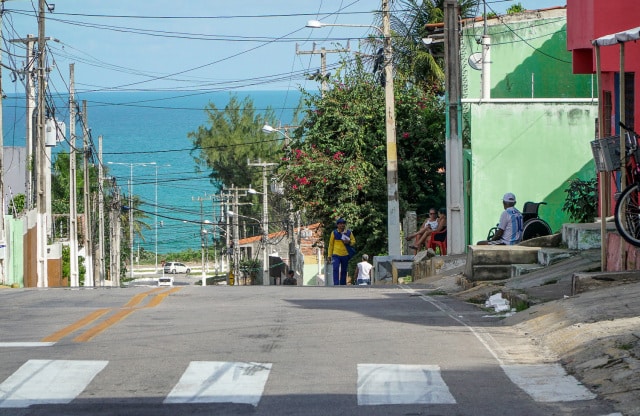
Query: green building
(531, 132)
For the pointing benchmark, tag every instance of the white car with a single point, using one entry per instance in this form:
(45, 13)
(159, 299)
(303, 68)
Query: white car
(175, 267)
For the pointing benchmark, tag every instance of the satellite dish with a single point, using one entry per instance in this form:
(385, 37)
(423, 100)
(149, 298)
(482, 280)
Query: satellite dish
(475, 61)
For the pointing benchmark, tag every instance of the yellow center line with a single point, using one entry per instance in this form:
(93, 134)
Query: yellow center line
(95, 330)
(57, 336)
(139, 298)
(123, 313)
(160, 297)
(97, 314)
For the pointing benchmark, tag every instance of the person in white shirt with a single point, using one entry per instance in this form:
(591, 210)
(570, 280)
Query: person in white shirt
(510, 226)
(363, 271)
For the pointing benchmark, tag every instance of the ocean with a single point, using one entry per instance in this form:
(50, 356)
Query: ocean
(145, 143)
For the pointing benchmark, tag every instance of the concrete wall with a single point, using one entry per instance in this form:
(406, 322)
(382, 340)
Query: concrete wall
(531, 149)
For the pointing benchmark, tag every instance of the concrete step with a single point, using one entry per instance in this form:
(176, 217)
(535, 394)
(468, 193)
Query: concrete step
(490, 272)
(481, 255)
(549, 256)
(495, 256)
(584, 236)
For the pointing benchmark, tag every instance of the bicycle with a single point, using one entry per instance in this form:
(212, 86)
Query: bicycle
(533, 226)
(627, 210)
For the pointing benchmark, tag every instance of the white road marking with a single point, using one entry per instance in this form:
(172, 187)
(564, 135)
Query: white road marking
(48, 382)
(25, 344)
(380, 384)
(221, 382)
(547, 382)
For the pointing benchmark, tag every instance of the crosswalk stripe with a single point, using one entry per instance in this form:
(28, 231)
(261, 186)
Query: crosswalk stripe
(380, 384)
(19, 344)
(221, 382)
(547, 382)
(61, 381)
(48, 382)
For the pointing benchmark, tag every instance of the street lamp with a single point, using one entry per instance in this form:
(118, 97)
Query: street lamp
(393, 209)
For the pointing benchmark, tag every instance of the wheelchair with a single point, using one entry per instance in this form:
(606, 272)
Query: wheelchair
(533, 225)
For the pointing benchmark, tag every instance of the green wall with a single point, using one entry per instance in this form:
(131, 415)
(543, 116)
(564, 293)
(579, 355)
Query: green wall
(15, 253)
(531, 149)
(520, 50)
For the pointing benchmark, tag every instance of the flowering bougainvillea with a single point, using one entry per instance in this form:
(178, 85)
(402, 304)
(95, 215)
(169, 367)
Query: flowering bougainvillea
(337, 166)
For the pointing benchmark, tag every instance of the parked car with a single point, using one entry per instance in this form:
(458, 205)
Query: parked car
(175, 267)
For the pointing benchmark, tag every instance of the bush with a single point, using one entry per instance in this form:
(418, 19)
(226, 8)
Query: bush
(582, 200)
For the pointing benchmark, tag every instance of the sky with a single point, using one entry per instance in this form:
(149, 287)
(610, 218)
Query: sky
(212, 45)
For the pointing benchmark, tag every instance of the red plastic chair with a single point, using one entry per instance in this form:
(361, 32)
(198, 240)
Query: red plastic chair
(433, 244)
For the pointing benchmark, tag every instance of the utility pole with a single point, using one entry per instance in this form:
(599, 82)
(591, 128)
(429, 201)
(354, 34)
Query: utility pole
(265, 220)
(323, 60)
(100, 255)
(30, 105)
(114, 253)
(88, 238)
(203, 236)
(3, 241)
(73, 197)
(454, 162)
(41, 223)
(393, 206)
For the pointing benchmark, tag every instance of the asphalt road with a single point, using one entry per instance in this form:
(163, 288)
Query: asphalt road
(252, 350)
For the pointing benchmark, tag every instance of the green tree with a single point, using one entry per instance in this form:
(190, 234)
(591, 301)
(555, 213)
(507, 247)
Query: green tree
(336, 166)
(17, 204)
(233, 136)
(516, 8)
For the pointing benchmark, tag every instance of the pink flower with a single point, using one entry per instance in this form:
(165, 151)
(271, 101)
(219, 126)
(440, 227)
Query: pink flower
(405, 135)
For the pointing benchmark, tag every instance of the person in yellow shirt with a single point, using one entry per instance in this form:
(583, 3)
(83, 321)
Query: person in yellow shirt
(340, 251)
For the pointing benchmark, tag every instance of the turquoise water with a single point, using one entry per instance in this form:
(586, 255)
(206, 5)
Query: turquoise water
(142, 128)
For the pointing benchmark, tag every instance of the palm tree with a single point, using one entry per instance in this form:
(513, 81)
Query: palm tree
(413, 20)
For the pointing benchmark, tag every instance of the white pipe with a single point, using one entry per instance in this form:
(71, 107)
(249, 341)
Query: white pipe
(486, 67)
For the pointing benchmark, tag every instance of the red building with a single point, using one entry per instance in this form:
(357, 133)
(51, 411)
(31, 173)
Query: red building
(602, 36)
(588, 20)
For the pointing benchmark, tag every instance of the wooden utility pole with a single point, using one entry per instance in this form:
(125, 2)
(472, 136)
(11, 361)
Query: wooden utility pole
(73, 197)
(323, 60)
(454, 161)
(88, 249)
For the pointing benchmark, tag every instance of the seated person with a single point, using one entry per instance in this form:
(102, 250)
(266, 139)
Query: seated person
(430, 224)
(442, 226)
(290, 279)
(510, 225)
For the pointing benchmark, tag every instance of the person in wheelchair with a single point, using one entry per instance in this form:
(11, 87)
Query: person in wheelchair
(510, 226)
